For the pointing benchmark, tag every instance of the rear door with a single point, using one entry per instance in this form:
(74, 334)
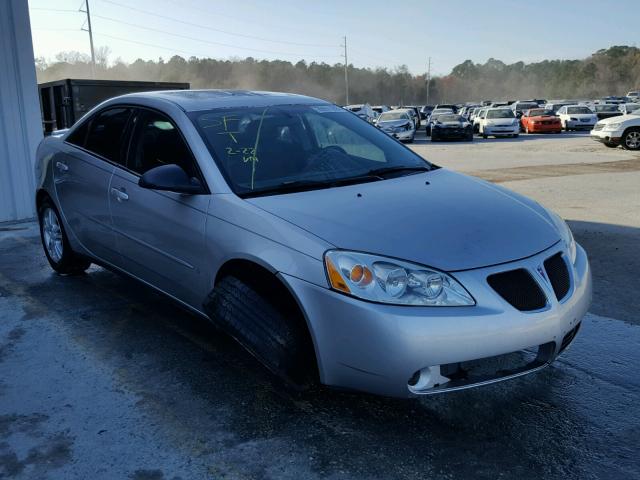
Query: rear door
(82, 175)
(160, 235)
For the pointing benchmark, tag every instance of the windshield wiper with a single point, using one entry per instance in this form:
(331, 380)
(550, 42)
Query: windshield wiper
(398, 169)
(302, 185)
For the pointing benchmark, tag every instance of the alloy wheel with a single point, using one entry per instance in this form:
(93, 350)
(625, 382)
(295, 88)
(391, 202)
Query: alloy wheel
(52, 234)
(632, 140)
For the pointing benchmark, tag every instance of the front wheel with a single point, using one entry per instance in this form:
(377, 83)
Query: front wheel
(631, 139)
(56, 243)
(259, 317)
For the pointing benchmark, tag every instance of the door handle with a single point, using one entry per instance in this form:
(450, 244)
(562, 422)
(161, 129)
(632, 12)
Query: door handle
(120, 194)
(63, 167)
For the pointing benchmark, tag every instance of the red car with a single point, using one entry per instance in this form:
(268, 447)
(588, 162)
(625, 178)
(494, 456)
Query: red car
(540, 120)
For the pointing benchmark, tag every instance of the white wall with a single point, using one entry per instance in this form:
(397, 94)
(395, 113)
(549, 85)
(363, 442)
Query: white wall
(20, 123)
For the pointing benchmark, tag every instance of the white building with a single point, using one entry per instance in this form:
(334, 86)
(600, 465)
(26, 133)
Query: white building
(20, 122)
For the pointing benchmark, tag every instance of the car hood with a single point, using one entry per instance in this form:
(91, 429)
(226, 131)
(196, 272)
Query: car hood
(620, 118)
(394, 123)
(543, 117)
(440, 218)
(450, 124)
(501, 121)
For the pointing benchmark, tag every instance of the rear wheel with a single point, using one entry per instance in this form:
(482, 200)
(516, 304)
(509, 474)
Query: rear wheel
(610, 145)
(268, 324)
(56, 243)
(631, 139)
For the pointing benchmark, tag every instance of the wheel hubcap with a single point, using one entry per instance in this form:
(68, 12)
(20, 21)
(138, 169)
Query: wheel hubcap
(52, 234)
(633, 140)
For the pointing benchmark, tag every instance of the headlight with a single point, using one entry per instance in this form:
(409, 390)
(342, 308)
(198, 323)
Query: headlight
(565, 235)
(612, 126)
(387, 280)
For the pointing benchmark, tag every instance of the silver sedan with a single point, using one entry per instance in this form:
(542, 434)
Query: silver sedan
(332, 252)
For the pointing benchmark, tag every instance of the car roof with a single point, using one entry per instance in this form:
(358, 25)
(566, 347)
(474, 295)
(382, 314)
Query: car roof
(195, 100)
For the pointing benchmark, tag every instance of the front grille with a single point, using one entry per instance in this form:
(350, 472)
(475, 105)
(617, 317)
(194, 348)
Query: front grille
(568, 338)
(558, 274)
(519, 289)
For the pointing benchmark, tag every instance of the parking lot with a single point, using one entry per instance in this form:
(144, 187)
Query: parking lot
(102, 378)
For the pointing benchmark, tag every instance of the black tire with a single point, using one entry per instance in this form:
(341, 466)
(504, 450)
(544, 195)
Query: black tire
(271, 329)
(610, 145)
(434, 138)
(516, 135)
(469, 137)
(69, 262)
(631, 139)
(485, 136)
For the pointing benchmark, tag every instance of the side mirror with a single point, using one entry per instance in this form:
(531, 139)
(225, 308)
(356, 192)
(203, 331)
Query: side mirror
(170, 178)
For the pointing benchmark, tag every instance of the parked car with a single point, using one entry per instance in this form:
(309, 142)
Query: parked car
(540, 120)
(606, 110)
(325, 247)
(499, 104)
(623, 130)
(478, 116)
(521, 106)
(614, 99)
(556, 105)
(499, 122)
(415, 114)
(634, 96)
(381, 109)
(577, 117)
(433, 117)
(450, 106)
(627, 108)
(364, 111)
(451, 126)
(398, 124)
(425, 111)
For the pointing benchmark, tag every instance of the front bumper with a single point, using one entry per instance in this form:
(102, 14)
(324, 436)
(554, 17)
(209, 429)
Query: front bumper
(613, 137)
(545, 128)
(578, 125)
(451, 133)
(501, 130)
(401, 135)
(380, 348)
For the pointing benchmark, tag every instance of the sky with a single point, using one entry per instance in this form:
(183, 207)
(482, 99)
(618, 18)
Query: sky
(380, 33)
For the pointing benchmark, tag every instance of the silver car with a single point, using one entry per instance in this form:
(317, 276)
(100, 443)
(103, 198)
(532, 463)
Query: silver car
(328, 249)
(398, 124)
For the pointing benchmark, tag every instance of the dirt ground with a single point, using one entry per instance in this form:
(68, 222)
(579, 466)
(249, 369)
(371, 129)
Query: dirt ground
(101, 378)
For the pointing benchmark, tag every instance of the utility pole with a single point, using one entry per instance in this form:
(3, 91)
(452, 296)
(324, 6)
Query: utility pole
(346, 71)
(428, 79)
(88, 29)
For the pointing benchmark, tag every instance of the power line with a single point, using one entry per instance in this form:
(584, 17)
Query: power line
(206, 27)
(164, 32)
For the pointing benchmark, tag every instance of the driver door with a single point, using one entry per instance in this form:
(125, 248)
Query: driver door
(159, 234)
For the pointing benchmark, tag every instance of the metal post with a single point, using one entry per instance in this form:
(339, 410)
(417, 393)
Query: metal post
(428, 79)
(346, 72)
(93, 53)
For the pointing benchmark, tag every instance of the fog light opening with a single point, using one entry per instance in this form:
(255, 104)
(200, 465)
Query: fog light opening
(426, 378)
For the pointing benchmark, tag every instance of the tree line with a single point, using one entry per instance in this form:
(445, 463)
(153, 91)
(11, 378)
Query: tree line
(611, 71)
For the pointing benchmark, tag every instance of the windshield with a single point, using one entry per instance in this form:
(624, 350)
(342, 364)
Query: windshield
(606, 108)
(521, 107)
(538, 112)
(578, 110)
(450, 118)
(388, 116)
(262, 148)
(502, 113)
